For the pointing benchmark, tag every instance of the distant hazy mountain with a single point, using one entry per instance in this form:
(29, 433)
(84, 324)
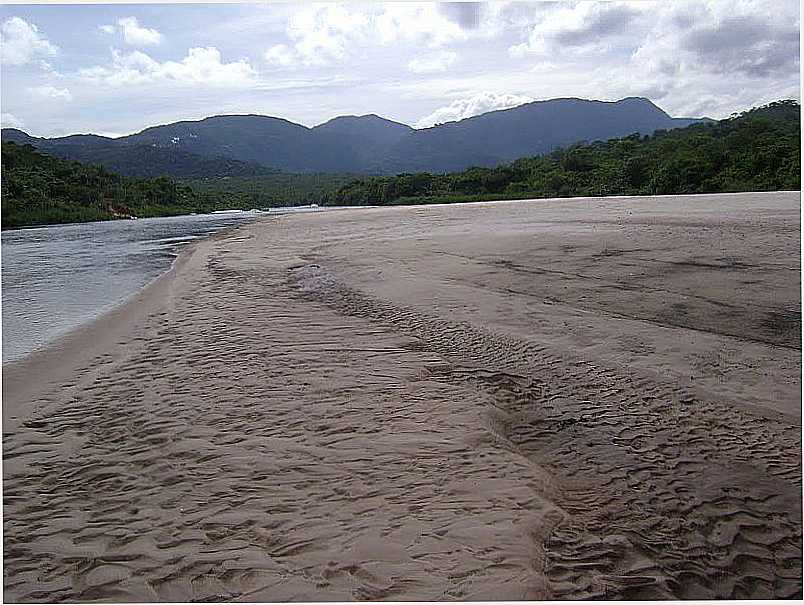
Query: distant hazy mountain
(531, 129)
(240, 145)
(138, 159)
(361, 140)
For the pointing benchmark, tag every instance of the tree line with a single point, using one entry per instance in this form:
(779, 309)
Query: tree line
(41, 189)
(758, 150)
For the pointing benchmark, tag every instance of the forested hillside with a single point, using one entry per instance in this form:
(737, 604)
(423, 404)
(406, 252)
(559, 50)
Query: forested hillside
(245, 145)
(272, 190)
(138, 160)
(40, 189)
(758, 150)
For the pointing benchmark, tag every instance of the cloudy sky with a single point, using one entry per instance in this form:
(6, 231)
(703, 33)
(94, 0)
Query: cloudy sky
(117, 68)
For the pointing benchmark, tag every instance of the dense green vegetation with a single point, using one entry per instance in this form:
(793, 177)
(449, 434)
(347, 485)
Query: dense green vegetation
(363, 145)
(758, 150)
(270, 190)
(40, 189)
(145, 161)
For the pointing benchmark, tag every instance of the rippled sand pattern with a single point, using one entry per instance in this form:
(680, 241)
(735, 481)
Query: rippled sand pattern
(334, 407)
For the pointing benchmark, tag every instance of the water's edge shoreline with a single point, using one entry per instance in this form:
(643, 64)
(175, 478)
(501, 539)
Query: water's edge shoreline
(470, 199)
(58, 361)
(342, 407)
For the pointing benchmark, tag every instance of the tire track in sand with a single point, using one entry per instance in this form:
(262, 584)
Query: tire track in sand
(246, 445)
(663, 495)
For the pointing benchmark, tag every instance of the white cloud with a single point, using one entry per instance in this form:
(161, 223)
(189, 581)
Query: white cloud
(695, 58)
(584, 27)
(51, 92)
(422, 23)
(133, 33)
(465, 14)
(720, 37)
(669, 40)
(692, 57)
(9, 120)
(21, 42)
(460, 109)
(136, 35)
(323, 34)
(434, 63)
(712, 58)
(280, 54)
(200, 66)
(518, 51)
(113, 134)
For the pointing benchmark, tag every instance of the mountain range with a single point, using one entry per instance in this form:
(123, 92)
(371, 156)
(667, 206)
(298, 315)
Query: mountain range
(250, 145)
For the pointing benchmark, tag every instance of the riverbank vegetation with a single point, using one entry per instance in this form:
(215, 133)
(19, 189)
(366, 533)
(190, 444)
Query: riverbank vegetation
(271, 190)
(40, 189)
(758, 150)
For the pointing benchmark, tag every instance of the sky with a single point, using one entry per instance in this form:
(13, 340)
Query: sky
(114, 69)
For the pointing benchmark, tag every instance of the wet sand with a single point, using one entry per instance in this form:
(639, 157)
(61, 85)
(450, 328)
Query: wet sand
(520, 400)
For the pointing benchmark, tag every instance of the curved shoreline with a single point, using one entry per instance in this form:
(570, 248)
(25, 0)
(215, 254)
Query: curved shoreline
(462, 403)
(58, 361)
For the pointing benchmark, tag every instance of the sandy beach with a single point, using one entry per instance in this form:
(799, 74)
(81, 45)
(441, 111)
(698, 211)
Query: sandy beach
(553, 399)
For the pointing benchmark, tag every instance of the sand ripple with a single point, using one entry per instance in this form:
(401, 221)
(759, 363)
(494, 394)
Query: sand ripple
(278, 430)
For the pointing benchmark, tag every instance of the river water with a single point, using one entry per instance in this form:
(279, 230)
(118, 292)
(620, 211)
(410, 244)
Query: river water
(57, 278)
